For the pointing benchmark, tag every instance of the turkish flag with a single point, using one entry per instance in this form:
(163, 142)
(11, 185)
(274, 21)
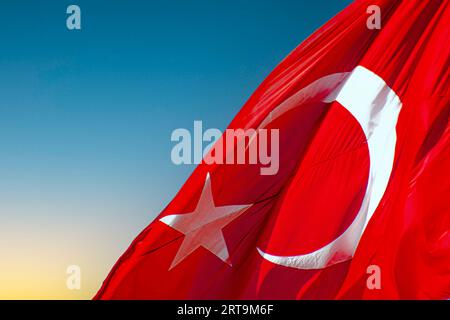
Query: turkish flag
(359, 207)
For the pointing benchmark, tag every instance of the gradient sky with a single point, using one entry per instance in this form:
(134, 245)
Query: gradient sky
(86, 118)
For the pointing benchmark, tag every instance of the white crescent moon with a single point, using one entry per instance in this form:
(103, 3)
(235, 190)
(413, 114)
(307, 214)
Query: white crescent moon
(376, 108)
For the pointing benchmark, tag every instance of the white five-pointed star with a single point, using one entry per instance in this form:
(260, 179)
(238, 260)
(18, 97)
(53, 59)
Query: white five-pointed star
(203, 226)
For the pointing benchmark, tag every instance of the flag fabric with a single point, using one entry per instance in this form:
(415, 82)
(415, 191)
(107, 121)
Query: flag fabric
(360, 205)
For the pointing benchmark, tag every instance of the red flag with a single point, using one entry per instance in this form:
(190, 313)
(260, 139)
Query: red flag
(358, 207)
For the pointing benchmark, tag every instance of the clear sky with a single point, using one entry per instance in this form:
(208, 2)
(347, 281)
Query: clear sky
(86, 118)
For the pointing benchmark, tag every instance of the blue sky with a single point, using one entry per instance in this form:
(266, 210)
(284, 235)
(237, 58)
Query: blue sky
(86, 118)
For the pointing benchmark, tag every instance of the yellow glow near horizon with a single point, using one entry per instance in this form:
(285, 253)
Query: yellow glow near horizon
(34, 258)
(42, 274)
